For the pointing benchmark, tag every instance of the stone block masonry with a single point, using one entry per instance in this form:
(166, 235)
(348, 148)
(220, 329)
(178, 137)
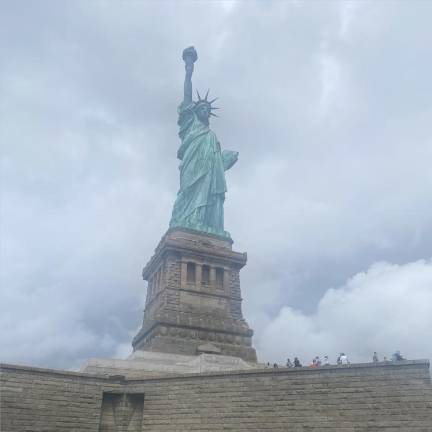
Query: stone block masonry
(194, 298)
(355, 398)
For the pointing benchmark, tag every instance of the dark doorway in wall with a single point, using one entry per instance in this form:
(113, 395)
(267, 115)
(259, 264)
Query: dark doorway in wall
(121, 412)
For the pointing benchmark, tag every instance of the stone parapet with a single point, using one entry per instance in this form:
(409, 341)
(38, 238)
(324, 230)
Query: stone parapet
(145, 364)
(374, 397)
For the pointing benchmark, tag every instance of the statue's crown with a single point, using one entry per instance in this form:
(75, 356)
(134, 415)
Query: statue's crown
(202, 101)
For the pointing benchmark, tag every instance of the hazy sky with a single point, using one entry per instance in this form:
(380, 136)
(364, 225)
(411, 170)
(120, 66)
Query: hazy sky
(330, 107)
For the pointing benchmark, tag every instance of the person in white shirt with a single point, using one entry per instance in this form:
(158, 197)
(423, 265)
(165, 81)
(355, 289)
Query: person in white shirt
(344, 359)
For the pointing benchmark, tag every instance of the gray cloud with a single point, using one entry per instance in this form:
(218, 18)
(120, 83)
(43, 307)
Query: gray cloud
(328, 104)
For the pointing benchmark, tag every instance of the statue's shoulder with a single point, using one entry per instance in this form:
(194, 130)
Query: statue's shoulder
(186, 114)
(186, 108)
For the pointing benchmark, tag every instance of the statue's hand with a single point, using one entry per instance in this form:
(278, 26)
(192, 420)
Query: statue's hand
(190, 55)
(229, 158)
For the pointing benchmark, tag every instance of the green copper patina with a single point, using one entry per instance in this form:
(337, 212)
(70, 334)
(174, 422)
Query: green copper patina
(199, 203)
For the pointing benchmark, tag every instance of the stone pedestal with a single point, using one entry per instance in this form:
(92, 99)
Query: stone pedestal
(193, 303)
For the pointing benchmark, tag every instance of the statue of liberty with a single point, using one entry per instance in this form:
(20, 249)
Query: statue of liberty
(199, 203)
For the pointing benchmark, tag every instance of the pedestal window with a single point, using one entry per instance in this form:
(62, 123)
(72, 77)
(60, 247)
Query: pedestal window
(219, 278)
(190, 272)
(205, 275)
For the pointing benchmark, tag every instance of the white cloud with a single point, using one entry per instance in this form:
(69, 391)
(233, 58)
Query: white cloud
(228, 5)
(386, 308)
(330, 78)
(348, 10)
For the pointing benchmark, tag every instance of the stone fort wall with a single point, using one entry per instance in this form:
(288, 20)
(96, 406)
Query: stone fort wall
(355, 398)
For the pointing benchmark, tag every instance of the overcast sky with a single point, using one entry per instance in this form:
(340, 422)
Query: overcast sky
(329, 105)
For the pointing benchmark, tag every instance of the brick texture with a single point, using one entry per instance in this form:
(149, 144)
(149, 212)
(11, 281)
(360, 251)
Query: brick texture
(354, 398)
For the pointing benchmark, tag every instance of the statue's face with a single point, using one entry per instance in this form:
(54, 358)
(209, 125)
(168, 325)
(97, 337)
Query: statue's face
(203, 112)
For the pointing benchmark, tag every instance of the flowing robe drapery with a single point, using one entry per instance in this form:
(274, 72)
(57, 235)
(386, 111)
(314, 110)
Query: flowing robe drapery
(199, 203)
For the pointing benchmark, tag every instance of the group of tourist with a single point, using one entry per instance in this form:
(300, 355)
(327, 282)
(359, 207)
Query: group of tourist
(342, 359)
(397, 356)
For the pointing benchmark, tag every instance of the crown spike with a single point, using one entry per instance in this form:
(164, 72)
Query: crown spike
(207, 95)
(215, 99)
(213, 114)
(199, 97)
(214, 108)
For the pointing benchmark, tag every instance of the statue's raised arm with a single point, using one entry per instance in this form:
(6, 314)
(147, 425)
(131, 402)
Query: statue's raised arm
(190, 57)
